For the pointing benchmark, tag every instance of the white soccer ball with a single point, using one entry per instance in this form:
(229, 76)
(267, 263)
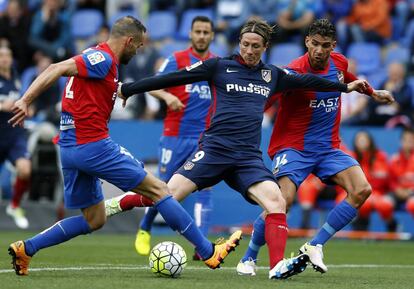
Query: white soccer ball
(167, 259)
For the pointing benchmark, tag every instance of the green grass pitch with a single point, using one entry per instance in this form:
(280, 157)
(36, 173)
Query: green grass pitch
(109, 261)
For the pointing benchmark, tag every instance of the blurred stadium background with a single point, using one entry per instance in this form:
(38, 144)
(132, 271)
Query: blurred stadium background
(379, 43)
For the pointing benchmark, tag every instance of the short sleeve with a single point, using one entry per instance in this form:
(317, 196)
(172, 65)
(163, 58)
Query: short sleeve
(93, 64)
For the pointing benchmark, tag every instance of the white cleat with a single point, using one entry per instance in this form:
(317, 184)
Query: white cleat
(247, 268)
(289, 267)
(18, 216)
(315, 254)
(113, 206)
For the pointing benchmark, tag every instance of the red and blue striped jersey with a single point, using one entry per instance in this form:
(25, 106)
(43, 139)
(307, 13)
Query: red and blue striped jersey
(192, 120)
(309, 120)
(88, 97)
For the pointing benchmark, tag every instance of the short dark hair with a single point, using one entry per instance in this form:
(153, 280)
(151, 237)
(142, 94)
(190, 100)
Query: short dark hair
(201, 18)
(127, 26)
(323, 27)
(407, 130)
(258, 26)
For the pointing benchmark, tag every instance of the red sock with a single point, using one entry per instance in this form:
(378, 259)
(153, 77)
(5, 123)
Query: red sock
(20, 186)
(276, 234)
(131, 201)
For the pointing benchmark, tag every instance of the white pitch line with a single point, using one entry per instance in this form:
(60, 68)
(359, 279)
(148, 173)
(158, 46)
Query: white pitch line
(142, 267)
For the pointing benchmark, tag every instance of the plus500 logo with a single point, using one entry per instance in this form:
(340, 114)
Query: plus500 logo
(251, 88)
(330, 104)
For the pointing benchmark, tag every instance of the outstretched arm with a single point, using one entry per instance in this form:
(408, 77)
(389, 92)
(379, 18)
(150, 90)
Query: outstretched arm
(197, 72)
(49, 76)
(382, 96)
(309, 81)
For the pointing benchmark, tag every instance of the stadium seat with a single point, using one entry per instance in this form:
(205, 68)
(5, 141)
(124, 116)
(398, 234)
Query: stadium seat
(409, 34)
(367, 56)
(282, 54)
(376, 78)
(120, 14)
(397, 54)
(167, 49)
(219, 49)
(188, 17)
(86, 23)
(161, 25)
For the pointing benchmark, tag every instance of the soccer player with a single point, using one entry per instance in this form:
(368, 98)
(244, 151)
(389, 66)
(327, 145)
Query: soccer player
(305, 140)
(185, 120)
(13, 142)
(88, 153)
(229, 148)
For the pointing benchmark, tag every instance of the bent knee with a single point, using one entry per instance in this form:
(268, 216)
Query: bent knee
(360, 194)
(97, 223)
(158, 190)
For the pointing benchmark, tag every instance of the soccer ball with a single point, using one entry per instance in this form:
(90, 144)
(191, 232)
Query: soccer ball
(167, 259)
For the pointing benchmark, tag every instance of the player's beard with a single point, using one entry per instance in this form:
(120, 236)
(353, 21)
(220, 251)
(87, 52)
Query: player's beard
(125, 58)
(201, 48)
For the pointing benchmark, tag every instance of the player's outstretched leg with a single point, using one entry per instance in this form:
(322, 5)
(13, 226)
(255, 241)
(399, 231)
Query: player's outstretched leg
(203, 208)
(179, 220)
(339, 217)
(64, 230)
(20, 259)
(247, 265)
(126, 202)
(222, 249)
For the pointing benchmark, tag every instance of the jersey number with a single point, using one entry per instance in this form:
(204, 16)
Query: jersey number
(280, 161)
(165, 156)
(198, 156)
(68, 91)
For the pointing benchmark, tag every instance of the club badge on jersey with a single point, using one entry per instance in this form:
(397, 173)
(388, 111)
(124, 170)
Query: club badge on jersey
(267, 75)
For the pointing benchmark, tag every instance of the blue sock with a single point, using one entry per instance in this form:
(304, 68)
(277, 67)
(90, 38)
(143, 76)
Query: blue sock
(179, 220)
(60, 232)
(202, 211)
(148, 219)
(339, 217)
(257, 240)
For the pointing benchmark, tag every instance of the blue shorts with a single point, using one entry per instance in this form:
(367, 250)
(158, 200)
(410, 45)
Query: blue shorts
(14, 149)
(297, 165)
(208, 167)
(172, 153)
(83, 166)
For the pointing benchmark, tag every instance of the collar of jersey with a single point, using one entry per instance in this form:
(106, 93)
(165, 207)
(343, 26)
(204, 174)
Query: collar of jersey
(108, 49)
(240, 60)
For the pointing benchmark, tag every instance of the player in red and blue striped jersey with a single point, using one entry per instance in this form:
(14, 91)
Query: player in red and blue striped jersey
(305, 140)
(187, 117)
(229, 148)
(88, 154)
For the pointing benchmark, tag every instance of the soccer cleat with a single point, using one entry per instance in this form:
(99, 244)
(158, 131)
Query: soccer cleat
(247, 267)
(20, 260)
(222, 249)
(113, 206)
(18, 216)
(143, 242)
(289, 267)
(315, 254)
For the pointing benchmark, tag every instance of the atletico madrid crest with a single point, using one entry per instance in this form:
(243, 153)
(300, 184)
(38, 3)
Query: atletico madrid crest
(267, 75)
(188, 166)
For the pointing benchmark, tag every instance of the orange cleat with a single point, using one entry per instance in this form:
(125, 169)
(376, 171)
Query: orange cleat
(222, 249)
(20, 259)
